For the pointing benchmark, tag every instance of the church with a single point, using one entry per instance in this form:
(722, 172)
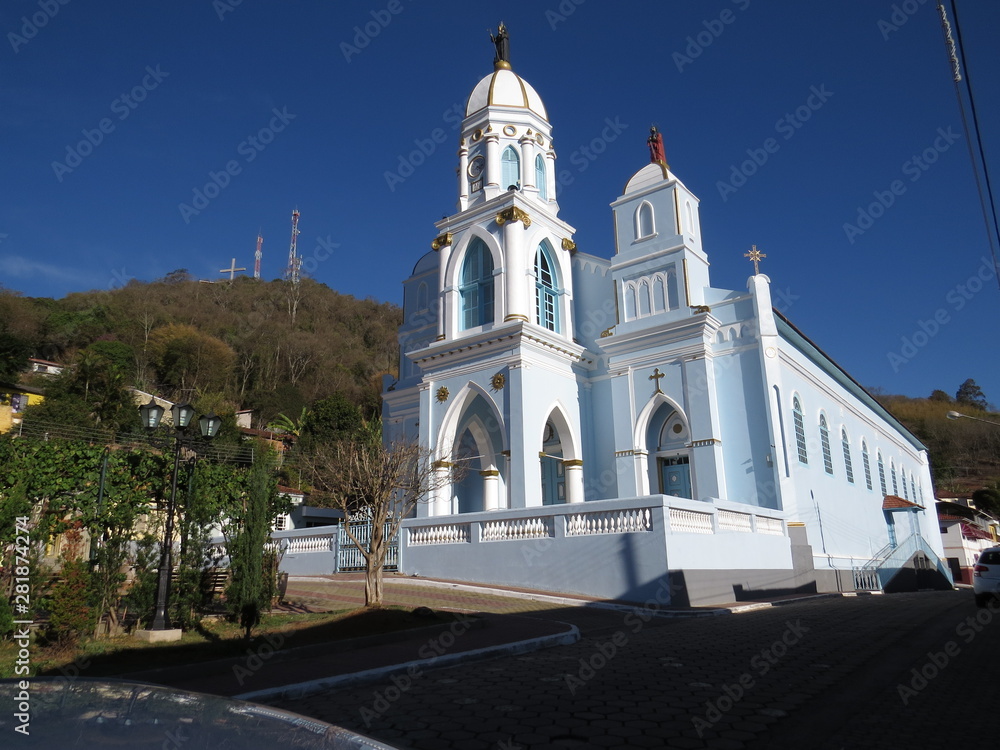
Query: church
(625, 429)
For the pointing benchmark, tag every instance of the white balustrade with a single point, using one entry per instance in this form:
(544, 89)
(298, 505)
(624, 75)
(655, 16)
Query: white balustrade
(690, 522)
(452, 533)
(767, 525)
(730, 520)
(517, 528)
(609, 522)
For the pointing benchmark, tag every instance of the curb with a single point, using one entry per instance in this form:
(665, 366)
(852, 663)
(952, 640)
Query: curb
(312, 687)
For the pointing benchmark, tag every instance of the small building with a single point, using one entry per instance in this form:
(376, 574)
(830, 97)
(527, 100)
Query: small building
(965, 533)
(14, 399)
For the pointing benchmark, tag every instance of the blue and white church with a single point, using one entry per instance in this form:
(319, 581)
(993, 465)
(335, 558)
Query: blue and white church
(626, 430)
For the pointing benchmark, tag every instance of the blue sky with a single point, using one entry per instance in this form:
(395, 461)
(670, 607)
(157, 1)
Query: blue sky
(333, 108)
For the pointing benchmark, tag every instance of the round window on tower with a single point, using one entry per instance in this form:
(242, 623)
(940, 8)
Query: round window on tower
(509, 130)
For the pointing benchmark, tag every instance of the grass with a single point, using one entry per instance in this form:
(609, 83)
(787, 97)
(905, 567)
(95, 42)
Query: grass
(214, 639)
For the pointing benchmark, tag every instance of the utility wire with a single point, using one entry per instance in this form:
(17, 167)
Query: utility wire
(986, 200)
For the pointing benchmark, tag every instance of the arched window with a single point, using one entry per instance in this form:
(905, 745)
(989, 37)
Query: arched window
(690, 217)
(672, 290)
(881, 473)
(540, 182)
(659, 295)
(867, 462)
(546, 290)
(800, 430)
(913, 488)
(510, 168)
(892, 473)
(630, 302)
(476, 287)
(824, 439)
(644, 298)
(422, 296)
(906, 495)
(644, 221)
(846, 445)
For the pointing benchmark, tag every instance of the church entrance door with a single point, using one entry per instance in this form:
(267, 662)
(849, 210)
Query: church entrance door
(675, 476)
(553, 481)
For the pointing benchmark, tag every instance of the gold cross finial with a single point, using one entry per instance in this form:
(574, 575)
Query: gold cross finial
(756, 256)
(656, 376)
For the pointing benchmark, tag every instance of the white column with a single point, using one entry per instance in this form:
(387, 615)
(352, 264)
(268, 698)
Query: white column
(515, 279)
(491, 489)
(463, 176)
(574, 480)
(442, 500)
(527, 163)
(492, 182)
(444, 258)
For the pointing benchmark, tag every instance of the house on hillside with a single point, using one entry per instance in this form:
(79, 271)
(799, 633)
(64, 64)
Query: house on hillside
(629, 430)
(14, 399)
(965, 533)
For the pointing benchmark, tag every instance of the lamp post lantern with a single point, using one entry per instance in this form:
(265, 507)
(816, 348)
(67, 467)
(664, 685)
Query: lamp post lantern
(959, 415)
(182, 415)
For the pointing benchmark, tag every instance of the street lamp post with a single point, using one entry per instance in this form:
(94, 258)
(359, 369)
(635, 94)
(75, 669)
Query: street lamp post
(959, 415)
(209, 425)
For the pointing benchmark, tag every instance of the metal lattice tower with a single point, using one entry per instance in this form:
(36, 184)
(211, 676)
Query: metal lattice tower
(294, 261)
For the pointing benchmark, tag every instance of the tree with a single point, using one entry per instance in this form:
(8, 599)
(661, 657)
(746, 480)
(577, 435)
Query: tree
(376, 483)
(939, 395)
(331, 419)
(988, 501)
(971, 394)
(250, 515)
(14, 353)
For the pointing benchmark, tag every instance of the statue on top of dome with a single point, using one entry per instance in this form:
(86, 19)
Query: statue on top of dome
(502, 42)
(657, 154)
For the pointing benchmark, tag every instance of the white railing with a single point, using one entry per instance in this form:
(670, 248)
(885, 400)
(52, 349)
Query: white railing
(730, 520)
(690, 522)
(518, 528)
(452, 533)
(303, 544)
(610, 522)
(768, 525)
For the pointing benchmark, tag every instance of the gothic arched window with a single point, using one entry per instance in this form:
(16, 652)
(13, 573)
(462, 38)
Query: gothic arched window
(846, 445)
(644, 221)
(824, 439)
(476, 287)
(867, 462)
(800, 430)
(540, 182)
(546, 290)
(510, 168)
(881, 474)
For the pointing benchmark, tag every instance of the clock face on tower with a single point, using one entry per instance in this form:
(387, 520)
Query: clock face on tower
(476, 165)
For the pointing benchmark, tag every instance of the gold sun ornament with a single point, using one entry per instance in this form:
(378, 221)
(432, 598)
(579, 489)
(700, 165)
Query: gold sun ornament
(498, 381)
(442, 394)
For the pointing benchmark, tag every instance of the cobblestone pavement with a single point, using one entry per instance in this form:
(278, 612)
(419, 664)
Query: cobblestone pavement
(901, 670)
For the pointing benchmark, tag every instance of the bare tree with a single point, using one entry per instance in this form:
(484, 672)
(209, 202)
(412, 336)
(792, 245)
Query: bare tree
(379, 483)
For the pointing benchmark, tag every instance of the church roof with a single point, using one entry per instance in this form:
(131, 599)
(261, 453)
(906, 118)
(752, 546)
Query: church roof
(505, 88)
(895, 502)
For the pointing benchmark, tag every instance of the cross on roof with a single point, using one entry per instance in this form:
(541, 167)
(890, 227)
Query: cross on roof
(231, 270)
(656, 376)
(755, 255)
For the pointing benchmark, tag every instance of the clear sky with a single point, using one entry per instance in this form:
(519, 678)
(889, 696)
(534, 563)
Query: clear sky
(116, 116)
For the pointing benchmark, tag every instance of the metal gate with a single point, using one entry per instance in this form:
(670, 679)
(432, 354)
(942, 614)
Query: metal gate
(349, 557)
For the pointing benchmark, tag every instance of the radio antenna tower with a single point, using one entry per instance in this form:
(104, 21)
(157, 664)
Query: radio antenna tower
(257, 256)
(294, 261)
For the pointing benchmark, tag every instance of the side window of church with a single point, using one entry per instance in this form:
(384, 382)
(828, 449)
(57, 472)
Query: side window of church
(546, 292)
(540, 182)
(510, 168)
(476, 289)
(800, 431)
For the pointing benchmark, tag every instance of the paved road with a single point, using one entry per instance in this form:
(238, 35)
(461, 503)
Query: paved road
(906, 670)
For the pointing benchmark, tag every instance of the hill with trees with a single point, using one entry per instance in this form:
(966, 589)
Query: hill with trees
(274, 347)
